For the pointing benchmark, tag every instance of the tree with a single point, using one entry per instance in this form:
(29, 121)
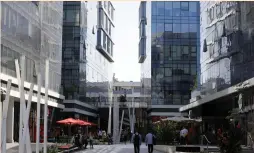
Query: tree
(236, 115)
(123, 98)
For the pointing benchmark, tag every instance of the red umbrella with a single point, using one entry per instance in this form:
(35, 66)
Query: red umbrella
(81, 122)
(68, 121)
(92, 124)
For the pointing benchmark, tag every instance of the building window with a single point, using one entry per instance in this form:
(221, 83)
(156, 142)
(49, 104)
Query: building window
(184, 6)
(160, 8)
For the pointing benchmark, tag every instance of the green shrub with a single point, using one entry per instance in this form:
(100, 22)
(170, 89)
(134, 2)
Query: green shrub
(51, 149)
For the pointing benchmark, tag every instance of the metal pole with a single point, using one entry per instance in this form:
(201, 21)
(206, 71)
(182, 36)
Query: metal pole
(38, 70)
(109, 117)
(1, 107)
(26, 116)
(133, 110)
(46, 106)
(130, 118)
(21, 78)
(4, 117)
(121, 126)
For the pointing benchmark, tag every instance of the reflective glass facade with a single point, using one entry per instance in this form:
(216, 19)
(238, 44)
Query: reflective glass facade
(226, 44)
(173, 51)
(87, 71)
(24, 31)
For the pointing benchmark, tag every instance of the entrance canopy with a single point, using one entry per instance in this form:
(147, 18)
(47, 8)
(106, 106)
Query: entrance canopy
(217, 95)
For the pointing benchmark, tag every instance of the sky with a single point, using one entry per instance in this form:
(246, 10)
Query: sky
(126, 38)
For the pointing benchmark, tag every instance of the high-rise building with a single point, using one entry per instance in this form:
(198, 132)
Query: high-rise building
(32, 29)
(168, 52)
(87, 57)
(226, 58)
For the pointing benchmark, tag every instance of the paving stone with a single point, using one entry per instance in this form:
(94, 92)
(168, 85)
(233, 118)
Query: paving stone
(119, 148)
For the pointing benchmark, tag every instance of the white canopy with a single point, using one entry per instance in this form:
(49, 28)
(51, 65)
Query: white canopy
(180, 119)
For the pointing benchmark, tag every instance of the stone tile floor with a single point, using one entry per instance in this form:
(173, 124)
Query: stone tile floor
(119, 148)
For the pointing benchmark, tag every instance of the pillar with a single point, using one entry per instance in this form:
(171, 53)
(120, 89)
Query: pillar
(1, 111)
(99, 122)
(10, 122)
(87, 126)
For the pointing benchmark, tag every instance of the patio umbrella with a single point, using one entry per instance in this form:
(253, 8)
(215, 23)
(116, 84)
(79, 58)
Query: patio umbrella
(81, 122)
(70, 121)
(92, 124)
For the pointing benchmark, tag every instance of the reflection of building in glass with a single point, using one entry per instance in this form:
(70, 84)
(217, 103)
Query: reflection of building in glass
(25, 31)
(87, 56)
(168, 51)
(226, 59)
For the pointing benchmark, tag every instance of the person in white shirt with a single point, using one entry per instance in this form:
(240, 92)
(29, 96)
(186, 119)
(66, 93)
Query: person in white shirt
(100, 134)
(150, 138)
(183, 136)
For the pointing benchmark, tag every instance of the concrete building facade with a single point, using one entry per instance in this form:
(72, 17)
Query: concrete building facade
(226, 59)
(32, 29)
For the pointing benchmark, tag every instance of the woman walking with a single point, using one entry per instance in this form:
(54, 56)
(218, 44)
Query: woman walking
(91, 140)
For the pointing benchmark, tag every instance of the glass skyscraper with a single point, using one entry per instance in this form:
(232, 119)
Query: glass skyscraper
(168, 53)
(87, 56)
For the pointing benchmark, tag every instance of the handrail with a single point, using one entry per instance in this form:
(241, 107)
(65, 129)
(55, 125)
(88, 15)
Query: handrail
(206, 139)
(208, 142)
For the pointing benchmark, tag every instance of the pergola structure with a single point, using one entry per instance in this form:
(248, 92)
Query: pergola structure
(24, 135)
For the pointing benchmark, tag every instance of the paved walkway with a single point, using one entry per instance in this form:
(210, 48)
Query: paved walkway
(120, 148)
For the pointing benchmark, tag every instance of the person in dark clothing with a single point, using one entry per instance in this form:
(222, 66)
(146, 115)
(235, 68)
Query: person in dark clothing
(150, 141)
(85, 142)
(125, 135)
(136, 139)
(110, 141)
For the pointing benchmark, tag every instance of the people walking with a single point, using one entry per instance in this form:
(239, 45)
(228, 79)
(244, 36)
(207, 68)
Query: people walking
(183, 136)
(91, 140)
(125, 135)
(136, 139)
(100, 134)
(150, 141)
(110, 141)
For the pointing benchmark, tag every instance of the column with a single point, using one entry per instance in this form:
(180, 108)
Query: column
(1, 111)
(86, 126)
(10, 122)
(99, 122)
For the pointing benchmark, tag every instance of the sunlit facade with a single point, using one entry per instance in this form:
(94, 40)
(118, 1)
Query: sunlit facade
(32, 29)
(226, 58)
(168, 54)
(87, 57)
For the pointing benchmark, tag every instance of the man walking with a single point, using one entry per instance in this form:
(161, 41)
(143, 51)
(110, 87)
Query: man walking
(183, 136)
(136, 139)
(150, 141)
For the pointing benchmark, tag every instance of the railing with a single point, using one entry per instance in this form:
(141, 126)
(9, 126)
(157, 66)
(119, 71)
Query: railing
(208, 142)
(125, 104)
(251, 141)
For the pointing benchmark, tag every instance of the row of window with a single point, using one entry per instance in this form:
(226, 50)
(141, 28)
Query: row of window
(8, 57)
(105, 42)
(19, 27)
(174, 28)
(183, 69)
(109, 8)
(175, 8)
(106, 23)
(170, 101)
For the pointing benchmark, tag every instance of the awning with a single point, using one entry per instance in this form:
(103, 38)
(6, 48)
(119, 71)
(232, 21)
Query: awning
(228, 91)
